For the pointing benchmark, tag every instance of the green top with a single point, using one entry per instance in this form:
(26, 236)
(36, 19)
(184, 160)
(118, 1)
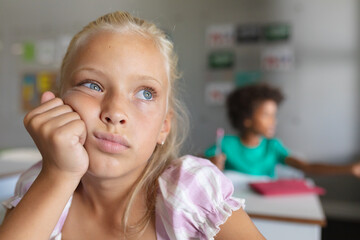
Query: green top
(260, 160)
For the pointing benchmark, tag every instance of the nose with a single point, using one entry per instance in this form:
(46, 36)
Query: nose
(113, 111)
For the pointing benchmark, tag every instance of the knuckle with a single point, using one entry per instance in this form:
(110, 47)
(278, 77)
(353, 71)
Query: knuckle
(27, 118)
(30, 119)
(75, 115)
(44, 129)
(78, 123)
(68, 108)
(58, 101)
(65, 108)
(32, 122)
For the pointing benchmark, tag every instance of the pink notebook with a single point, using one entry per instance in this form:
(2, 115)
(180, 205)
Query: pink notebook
(285, 187)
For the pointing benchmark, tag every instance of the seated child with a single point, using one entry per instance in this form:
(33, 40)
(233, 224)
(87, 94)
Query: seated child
(252, 112)
(110, 143)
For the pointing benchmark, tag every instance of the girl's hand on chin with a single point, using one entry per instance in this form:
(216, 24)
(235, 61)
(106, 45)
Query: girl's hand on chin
(59, 134)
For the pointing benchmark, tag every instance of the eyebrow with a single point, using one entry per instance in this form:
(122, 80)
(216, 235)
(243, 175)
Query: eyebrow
(89, 69)
(140, 77)
(147, 78)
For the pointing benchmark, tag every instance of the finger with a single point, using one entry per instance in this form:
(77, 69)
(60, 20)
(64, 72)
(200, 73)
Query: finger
(56, 111)
(59, 121)
(49, 104)
(47, 96)
(45, 112)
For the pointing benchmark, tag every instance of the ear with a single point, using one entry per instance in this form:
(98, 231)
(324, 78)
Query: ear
(165, 129)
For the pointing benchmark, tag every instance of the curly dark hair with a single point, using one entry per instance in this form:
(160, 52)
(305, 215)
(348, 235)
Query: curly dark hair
(242, 102)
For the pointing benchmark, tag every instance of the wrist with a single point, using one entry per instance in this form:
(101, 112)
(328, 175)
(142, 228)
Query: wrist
(59, 178)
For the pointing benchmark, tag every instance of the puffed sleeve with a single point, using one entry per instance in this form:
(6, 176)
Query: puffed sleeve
(194, 199)
(26, 179)
(22, 186)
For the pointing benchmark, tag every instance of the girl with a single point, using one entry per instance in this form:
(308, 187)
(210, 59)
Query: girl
(252, 112)
(109, 146)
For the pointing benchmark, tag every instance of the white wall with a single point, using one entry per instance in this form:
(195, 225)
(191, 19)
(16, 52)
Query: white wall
(325, 109)
(319, 118)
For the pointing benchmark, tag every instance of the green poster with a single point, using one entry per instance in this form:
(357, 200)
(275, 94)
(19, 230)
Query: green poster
(277, 32)
(29, 51)
(221, 59)
(247, 78)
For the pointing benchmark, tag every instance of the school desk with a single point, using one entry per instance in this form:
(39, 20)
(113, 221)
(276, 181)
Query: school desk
(295, 217)
(9, 174)
(13, 162)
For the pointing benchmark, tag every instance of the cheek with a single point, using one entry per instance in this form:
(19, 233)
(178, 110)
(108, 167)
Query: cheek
(265, 123)
(149, 121)
(80, 104)
(260, 124)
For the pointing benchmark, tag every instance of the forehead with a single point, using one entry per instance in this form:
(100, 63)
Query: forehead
(265, 105)
(124, 52)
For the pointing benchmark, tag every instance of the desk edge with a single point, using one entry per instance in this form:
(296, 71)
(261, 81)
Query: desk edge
(321, 222)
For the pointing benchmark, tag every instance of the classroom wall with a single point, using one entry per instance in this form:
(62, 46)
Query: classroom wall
(318, 121)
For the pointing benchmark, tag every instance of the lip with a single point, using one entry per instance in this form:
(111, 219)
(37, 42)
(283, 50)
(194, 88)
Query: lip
(111, 143)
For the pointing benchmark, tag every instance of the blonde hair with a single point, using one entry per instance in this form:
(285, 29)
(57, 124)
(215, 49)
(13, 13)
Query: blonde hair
(163, 154)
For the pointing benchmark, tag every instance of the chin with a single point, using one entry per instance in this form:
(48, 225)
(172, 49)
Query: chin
(269, 135)
(104, 166)
(102, 171)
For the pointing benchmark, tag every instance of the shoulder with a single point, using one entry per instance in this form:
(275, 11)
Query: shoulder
(275, 142)
(25, 181)
(230, 142)
(277, 146)
(196, 197)
(197, 173)
(231, 138)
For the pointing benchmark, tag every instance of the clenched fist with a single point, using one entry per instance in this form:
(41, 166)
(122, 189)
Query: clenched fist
(59, 134)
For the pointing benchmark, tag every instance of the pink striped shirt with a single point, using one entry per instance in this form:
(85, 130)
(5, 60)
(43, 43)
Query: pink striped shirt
(194, 199)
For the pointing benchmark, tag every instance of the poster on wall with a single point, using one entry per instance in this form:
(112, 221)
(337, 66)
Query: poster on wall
(244, 78)
(216, 92)
(221, 60)
(220, 36)
(29, 95)
(45, 51)
(277, 58)
(33, 85)
(277, 32)
(248, 33)
(27, 49)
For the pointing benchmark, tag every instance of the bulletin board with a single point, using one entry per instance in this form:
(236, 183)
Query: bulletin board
(241, 54)
(38, 60)
(33, 84)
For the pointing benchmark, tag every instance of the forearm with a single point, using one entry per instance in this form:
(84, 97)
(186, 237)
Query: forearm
(38, 212)
(319, 168)
(219, 161)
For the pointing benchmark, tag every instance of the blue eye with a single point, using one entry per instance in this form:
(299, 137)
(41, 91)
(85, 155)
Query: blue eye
(145, 94)
(92, 86)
